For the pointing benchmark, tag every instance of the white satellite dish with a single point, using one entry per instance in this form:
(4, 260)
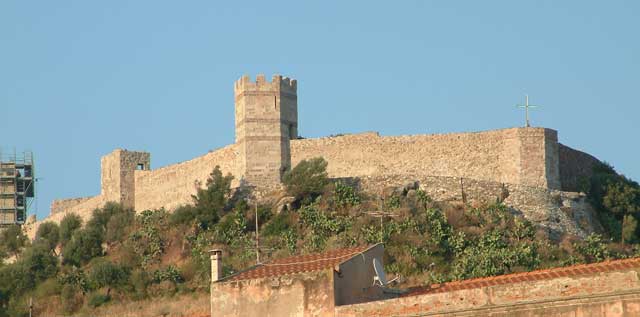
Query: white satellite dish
(381, 277)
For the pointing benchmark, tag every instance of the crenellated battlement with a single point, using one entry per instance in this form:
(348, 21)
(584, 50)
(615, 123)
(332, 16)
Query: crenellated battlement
(277, 83)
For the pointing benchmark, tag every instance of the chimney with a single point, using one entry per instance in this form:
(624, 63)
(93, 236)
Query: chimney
(216, 264)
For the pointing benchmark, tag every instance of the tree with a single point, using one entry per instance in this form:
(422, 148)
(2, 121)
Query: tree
(49, 234)
(69, 224)
(308, 178)
(110, 275)
(85, 245)
(629, 228)
(12, 239)
(211, 200)
(118, 226)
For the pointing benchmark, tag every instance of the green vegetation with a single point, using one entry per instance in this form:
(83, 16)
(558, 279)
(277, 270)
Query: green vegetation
(307, 179)
(617, 200)
(120, 255)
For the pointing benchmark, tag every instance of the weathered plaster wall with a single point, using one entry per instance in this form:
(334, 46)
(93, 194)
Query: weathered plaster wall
(526, 156)
(173, 185)
(353, 283)
(298, 295)
(604, 294)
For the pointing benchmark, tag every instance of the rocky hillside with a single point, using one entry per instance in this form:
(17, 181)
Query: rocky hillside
(129, 262)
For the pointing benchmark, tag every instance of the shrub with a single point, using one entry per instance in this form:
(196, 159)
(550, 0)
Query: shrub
(12, 239)
(76, 278)
(110, 275)
(49, 234)
(118, 226)
(69, 224)
(71, 299)
(39, 263)
(278, 225)
(183, 215)
(345, 195)
(629, 229)
(308, 178)
(148, 240)
(85, 245)
(139, 281)
(211, 200)
(593, 249)
(170, 274)
(322, 225)
(97, 299)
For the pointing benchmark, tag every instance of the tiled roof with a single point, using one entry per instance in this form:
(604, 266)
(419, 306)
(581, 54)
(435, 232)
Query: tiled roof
(569, 271)
(298, 264)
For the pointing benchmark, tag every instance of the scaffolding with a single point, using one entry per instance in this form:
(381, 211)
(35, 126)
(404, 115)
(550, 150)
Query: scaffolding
(17, 186)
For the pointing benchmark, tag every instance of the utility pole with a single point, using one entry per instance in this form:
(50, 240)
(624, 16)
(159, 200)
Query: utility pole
(526, 107)
(257, 236)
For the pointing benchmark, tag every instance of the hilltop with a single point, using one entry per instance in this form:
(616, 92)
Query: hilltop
(119, 256)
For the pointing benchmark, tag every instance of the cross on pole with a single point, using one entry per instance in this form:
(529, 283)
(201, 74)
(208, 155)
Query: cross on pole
(526, 107)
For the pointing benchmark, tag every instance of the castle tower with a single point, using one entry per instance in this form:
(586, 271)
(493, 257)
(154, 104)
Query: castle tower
(266, 119)
(118, 175)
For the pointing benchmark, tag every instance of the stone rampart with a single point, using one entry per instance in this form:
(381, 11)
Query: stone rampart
(526, 156)
(62, 205)
(523, 167)
(171, 186)
(575, 167)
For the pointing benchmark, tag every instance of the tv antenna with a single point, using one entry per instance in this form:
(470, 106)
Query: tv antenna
(381, 277)
(381, 214)
(526, 107)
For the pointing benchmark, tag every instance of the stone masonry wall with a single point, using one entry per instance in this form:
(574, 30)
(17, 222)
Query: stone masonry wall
(575, 166)
(173, 185)
(526, 156)
(62, 205)
(604, 294)
(520, 166)
(266, 119)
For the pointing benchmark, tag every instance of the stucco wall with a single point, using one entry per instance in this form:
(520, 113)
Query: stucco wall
(298, 295)
(604, 294)
(353, 283)
(525, 156)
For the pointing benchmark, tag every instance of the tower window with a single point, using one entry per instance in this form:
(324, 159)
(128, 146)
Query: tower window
(140, 167)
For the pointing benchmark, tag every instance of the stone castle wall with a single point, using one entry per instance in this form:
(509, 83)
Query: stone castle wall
(484, 163)
(171, 186)
(526, 156)
(483, 166)
(575, 167)
(61, 205)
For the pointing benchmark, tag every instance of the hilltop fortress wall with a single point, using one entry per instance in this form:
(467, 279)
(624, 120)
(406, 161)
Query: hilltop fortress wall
(527, 156)
(521, 162)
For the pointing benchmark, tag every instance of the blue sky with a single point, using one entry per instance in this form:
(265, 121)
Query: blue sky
(80, 78)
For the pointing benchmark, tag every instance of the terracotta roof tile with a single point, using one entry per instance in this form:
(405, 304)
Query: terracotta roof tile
(298, 264)
(576, 270)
